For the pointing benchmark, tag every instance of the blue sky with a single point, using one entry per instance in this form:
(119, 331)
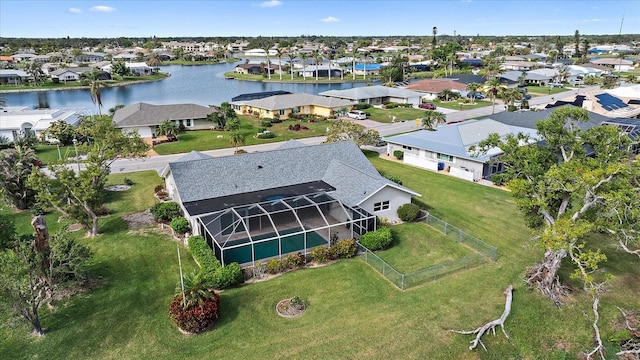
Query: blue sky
(97, 19)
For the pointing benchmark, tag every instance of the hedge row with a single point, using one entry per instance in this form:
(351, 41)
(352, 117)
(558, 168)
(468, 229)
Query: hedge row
(342, 249)
(220, 276)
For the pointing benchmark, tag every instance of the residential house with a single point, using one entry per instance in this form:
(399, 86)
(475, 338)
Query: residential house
(255, 69)
(238, 46)
(21, 120)
(367, 69)
(255, 53)
(622, 65)
(376, 95)
(20, 57)
(431, 88)
(448, 148)
(321, 70)
(14, 77)
(532, 77)
(89, 57)
(145, 118)
(285, 105)
(65, 74)
(254, 212)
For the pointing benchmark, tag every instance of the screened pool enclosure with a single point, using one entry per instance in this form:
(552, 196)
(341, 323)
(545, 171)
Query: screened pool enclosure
(281, 225)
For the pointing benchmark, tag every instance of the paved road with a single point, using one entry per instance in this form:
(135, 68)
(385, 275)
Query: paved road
(158, 163)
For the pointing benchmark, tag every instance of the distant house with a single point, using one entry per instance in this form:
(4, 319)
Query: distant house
(65, 74)
(622, 65)
(13, 77)
(321, 70)
(448, 148)
(89, 57)
(20, 57)
(376, 95)
(530, 77)
(20, 120)
(145, 118)
(261, 205)
(249, 69)
(139, 68)
(255, 52)
(431, 88)
(282, 106)
(367, 69)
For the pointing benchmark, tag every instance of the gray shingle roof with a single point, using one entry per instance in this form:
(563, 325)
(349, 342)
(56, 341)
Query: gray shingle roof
(193, 155)
(528, 119)
(368, 92)
(143, 114)
(341, 165)
(456, 139)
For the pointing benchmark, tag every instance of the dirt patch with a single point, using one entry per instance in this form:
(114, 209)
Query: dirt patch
(75, 227)
(118, 187)
(139, 220)
(287, 309)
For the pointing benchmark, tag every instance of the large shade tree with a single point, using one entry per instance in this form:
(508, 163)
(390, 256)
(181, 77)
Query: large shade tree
(16, 166)
(343, 130)
(223, 114)
(78, 192)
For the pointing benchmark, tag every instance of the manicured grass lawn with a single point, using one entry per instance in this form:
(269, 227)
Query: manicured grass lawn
(401, 114)
(455, 104)
(49, 153)
(352, 311)
(418, 245)
(544, 90)
(208, 140)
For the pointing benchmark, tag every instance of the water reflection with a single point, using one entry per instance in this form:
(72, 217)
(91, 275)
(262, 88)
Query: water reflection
(202, 85)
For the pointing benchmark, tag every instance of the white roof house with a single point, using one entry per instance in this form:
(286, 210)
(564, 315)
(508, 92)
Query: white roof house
(376, 95)
(17, 120)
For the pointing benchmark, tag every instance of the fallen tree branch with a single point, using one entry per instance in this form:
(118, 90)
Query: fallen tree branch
(630, 346)
(492, 324)
(600, 348)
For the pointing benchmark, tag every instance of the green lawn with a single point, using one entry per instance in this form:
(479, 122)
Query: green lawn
(545, 90)
(459, 105)
(418, 245)
(401, 114)
(208, 140)
(352, 311)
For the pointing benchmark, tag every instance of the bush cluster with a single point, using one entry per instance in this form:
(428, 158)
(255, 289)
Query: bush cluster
(221, 276)
(180, 225)
(342, 249)
(376, 240)
(399, 154)
(392, 105)
(165, 211)
(266, 123)
(266, 135)
(394, 178)
(361, 106)
(196, 318)
(408, 212)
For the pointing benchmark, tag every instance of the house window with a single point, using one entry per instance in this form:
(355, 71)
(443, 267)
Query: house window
(281, 112)
(379, 206)
(407, 147)
(445, 157)
(187, 122)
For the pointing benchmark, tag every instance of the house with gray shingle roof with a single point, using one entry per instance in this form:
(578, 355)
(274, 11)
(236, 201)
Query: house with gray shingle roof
(376, 95)
(284, 105)
(260, 205)
(449, 148)
(145, 118)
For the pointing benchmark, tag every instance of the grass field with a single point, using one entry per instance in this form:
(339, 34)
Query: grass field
(208, 140)
(418, 245)
(352, 311)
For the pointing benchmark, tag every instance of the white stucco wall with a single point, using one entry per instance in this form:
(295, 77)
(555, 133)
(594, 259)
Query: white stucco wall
(395, 197)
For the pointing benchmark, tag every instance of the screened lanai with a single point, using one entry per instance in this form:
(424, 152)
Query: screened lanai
(281, 225)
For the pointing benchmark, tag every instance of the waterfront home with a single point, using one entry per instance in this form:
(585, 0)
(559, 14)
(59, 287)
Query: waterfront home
(285, 105)
(376, 95)
(22, 120)
(13, 77)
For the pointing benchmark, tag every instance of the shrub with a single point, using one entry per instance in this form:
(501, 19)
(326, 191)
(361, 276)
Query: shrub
(320, 254)
(273, 266)
(268, 135)
(498, 179)
(292, 261)
(376, 240)
(408, 212)
(399, 154)
(158, 188)
(227, 276)
(180, 225)
(361, 106)
(128, 181)
(394, 178)
(344, 249)
(512, 108)
(202, 252)
(266, 123)
(196, 318)
(165, 211)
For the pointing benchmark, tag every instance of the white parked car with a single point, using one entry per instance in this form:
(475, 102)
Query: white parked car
(357, 114)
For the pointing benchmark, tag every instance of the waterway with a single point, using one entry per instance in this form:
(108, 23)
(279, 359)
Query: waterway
(202, 85)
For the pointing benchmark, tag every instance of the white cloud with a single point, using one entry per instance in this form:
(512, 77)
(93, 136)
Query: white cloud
(270, 3)
(74, 11)
(330, 19)
(103, 8)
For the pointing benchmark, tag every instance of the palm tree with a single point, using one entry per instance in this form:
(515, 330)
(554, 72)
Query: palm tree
(154, 60)
(492, 88)
(432, 119)
(473, 88)
(94, 88)
(197, 288)
(521, 79)
(236, 139)
(168, 128)
(291, 56)
(353, 61)
(433, 41)
(279, 54)
(268, 64)
(330, 57)
(563, 73)
(303, 56)
(15, 167)
(316, 55)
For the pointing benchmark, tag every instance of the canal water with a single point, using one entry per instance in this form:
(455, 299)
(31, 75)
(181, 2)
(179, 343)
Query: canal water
(202, 85)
